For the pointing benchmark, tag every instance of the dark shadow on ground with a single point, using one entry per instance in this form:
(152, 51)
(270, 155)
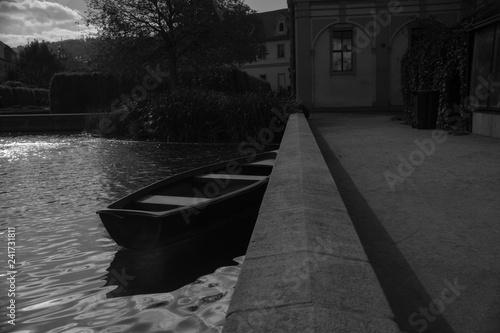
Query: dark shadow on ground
(404, 291)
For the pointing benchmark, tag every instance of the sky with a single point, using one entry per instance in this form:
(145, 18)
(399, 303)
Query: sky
(53, 20)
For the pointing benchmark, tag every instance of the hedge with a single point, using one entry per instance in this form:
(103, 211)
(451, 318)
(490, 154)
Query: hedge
(196, 115)
(439, 63)
(82, 92)
(224, 80)
(23, 96)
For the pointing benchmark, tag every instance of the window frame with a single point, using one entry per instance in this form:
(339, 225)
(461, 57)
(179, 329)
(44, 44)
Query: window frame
(278, 51)
(352, 71)
(281, 26)
(263, 54)
(284, 80)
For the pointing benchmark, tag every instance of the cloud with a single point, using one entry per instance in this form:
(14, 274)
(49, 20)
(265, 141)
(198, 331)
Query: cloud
(21, 20)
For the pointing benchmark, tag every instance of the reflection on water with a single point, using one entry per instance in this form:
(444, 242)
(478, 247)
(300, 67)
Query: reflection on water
(70, 276)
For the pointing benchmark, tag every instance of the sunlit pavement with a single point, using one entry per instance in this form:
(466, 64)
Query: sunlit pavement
(426, 206)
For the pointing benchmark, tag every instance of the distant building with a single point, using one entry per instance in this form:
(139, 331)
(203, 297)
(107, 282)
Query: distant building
(274, 64)
(348, 51)
(7, 58)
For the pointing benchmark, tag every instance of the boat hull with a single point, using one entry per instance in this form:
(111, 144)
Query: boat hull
(144, 231)
(143, 221)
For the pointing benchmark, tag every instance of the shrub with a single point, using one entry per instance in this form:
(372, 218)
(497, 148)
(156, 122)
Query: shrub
(224, 80)
(24, 96)
(13, 84)
(118, 123)
(42, 97)
(7, 96)
(211, 116)
(440, 63)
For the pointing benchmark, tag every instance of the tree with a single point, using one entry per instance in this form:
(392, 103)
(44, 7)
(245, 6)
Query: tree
(180, 34)
(36, 64)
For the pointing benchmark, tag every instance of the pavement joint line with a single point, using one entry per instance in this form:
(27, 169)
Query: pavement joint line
(309, 251)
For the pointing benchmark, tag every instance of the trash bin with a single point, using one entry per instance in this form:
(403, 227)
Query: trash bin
(426, 109)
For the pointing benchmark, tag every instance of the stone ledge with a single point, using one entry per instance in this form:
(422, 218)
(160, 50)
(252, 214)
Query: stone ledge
(305, 268)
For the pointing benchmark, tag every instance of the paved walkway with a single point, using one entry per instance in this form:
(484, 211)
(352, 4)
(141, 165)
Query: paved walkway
(426, 206)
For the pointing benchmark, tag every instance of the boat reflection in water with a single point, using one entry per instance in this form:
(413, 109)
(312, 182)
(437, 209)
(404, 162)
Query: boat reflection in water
(166, 269)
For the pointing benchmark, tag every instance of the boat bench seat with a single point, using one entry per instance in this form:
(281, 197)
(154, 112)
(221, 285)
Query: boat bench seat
(268, 162)
(171, 200)
(226, 176)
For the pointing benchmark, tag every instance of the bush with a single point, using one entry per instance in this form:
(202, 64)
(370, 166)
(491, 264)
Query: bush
(13, 84)
(24, 96)
(7, 96)
(42, 97)
(211, 116)
(225, 80)
(118, 123)
(439, 63)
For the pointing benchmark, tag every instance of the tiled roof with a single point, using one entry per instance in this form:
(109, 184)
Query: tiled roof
(269, 20)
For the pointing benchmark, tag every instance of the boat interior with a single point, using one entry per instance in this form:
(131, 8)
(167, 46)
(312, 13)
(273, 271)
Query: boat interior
(202, 188)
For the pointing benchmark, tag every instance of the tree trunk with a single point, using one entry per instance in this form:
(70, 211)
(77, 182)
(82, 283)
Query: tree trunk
(174, 74)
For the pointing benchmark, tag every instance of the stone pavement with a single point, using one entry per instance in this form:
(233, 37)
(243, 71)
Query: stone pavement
(426, 207)
(305, 269)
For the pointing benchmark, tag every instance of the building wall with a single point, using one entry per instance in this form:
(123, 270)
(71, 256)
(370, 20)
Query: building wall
(381, 36)
(358, 86)
(272, 65)
(6, 60)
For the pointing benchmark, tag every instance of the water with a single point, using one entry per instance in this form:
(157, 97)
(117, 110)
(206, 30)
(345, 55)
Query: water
(70, 276)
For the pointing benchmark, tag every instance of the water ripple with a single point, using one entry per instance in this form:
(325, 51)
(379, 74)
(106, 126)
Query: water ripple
(50, 188)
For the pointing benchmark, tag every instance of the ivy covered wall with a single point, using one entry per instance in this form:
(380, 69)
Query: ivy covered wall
(439, 61)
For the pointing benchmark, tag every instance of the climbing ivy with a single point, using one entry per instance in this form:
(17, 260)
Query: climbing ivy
(439, 62)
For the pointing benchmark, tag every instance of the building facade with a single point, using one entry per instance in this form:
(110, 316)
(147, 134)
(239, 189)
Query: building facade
(274, 65)
(348, 52)
(7, 58)
(484, 87)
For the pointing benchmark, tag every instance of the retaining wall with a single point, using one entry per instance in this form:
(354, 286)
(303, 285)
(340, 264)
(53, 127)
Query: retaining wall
(305, 269)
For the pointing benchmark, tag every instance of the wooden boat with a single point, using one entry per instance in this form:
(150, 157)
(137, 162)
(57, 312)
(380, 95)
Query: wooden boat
(189, 204)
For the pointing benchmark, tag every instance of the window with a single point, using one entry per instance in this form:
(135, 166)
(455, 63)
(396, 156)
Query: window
(263, 53)
(263, 77)
(281, 80)
(281, 50)
(341, 47)
(281, 25)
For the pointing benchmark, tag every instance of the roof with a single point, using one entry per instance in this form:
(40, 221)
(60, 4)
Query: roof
(9, 48)
(269, 20)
